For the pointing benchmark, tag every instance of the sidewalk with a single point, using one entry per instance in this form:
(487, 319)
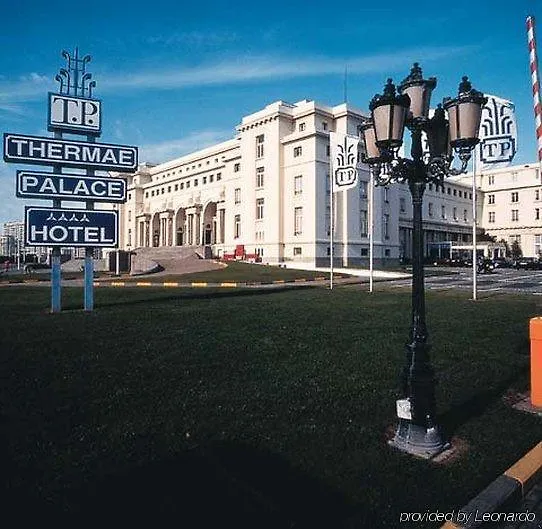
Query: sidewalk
(512, 501)
(360, 272)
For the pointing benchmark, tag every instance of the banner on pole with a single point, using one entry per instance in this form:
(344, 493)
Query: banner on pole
(498, 134)
(344, 159)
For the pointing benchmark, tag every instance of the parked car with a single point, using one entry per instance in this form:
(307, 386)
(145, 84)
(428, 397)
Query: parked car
(502, 262)
(528, 263)
(485, 266)
(32, 267)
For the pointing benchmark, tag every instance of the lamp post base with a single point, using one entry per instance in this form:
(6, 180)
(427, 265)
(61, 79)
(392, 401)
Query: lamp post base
(418, 440)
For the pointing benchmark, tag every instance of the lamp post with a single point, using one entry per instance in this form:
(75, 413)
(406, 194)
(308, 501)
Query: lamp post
(417, 432)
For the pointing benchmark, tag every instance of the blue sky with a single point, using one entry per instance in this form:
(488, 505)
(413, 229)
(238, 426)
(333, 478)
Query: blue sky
(175, 77)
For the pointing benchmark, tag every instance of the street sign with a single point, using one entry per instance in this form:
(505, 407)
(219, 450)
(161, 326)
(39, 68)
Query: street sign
(49, 151)
(70, 227)
(32, 184)
(73, 114)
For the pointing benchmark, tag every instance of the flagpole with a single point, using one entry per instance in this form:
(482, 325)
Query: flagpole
(331, 223)
(371, 229)
(474, 219)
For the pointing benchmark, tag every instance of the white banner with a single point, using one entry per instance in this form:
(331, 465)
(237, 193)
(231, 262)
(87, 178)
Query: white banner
(344, 160)
(498, 134)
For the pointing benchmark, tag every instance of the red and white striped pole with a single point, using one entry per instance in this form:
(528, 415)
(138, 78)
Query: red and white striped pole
(533, 63)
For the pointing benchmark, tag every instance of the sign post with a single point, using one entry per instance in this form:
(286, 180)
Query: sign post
(73, 111)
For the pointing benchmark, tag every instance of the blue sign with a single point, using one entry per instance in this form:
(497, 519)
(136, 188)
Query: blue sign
(77, 115)
(86, 155)
(32, 184)
(70, 227)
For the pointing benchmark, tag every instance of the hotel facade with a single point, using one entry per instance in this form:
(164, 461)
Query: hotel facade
(267, 191)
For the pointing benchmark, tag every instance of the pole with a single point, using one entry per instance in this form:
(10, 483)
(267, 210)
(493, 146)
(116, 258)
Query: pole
(56, 271)
(371, 230)
(89, 257)
(331, 226)
(474, 221)
(418, 434)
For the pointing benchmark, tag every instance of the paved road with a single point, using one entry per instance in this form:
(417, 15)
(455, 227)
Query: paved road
(503, 280)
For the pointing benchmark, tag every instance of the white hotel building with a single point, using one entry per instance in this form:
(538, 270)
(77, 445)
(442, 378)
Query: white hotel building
(267, 190)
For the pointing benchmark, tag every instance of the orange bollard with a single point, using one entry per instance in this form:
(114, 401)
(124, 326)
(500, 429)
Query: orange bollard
(535, 332)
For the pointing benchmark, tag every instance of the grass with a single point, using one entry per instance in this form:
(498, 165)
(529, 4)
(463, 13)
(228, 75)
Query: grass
(249, 408)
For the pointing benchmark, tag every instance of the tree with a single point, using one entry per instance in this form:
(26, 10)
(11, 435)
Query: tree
(515, 250)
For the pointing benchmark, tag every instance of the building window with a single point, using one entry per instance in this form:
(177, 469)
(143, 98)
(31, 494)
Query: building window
(460, 193)
(402, 204)
(536, 214)
(298, 185)
(491, 180)
(538, 245)
(386, 195)
(386, 226)
(364, 252)
(195, 182)
(515, 215)
(259, 177)
(465, 215)
(491, 217)
(129, 237)
(514, 196)
(204, 179)
(259, 146)
(218, 176)
(162, 191)
(237, 195)
(169, 189)
(182, 185)
(211, 178)
(297, 250)
(537, 194)
(328, 151)
(176, 187)
(491, 199)
(188, 184)
(302, 127)
(455, 192)
(237, 226)
(449, 190)
(130, 215)
(236, 167)
(328, 220)
(298, 221)
(363, 223)
(430, 209)
(298, 151)
(443, 211)
(324, 125)
(454, 213)
(259, 208)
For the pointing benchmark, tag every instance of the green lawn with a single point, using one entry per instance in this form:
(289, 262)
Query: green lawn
(249, 408)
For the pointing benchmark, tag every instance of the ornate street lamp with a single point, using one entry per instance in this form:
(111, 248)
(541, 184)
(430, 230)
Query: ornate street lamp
(417, 431)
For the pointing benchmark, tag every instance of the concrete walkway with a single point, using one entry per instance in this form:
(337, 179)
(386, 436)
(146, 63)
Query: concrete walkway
(360, 272)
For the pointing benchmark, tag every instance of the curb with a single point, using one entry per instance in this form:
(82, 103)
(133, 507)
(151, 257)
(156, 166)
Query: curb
(202, 284)
(506, 492)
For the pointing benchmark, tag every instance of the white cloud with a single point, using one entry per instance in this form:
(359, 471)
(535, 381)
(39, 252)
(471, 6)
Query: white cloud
(167, 150)
(240, 69)
(256, 68)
